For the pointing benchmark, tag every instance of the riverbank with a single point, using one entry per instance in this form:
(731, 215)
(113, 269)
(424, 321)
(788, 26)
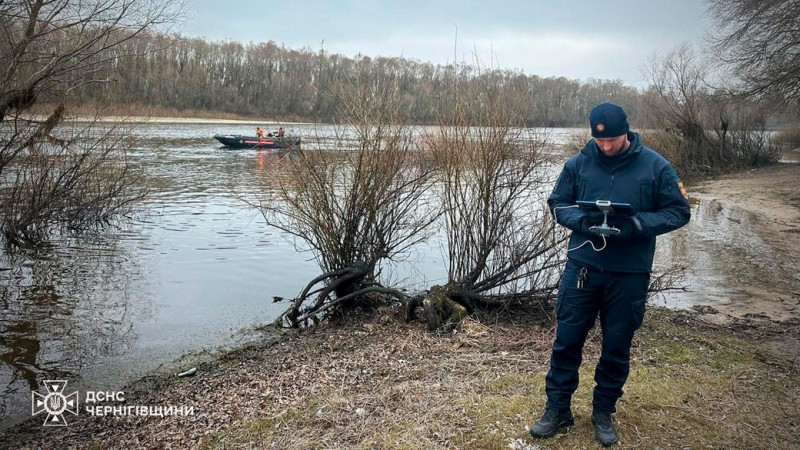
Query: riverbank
(378, 382)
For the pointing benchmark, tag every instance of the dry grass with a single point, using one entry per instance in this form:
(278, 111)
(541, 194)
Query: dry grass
(377, 382)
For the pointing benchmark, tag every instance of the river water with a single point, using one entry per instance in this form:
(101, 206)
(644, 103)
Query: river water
(194, 273)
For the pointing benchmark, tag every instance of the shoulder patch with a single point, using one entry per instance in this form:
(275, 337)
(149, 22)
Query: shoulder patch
(683, 190)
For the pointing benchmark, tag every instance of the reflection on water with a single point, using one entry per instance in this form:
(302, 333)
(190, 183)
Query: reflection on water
(61, 308)
(727, 261)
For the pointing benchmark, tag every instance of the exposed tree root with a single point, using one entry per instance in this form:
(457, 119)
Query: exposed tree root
(334, 289)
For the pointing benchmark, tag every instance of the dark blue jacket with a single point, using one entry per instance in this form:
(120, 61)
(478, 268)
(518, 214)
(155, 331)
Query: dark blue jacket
(638, 176)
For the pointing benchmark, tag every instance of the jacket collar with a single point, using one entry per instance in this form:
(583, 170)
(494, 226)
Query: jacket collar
(616, 161)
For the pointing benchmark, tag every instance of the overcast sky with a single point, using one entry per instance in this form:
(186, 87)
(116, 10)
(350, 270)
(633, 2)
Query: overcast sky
(577, 39)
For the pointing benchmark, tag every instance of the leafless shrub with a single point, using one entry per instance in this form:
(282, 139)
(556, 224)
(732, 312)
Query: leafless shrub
(367, 201)
(502, 243)
(68, 185)
(751, 142)
(671, 278)
(669, 145)
(49, 180)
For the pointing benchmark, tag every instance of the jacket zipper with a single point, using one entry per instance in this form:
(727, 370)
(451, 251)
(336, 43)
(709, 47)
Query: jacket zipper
(611, 194)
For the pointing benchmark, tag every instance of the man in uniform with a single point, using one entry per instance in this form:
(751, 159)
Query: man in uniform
(607, 271)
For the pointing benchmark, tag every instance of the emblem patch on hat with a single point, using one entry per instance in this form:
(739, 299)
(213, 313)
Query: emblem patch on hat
(600, 127)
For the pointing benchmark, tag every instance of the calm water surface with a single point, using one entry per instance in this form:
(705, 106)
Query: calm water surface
(194, 273)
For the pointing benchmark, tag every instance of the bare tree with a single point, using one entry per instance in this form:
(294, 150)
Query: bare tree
(761, 40)
(716, 131)
(353, 207)
(677, 88)
(61, 175)
(502, 243)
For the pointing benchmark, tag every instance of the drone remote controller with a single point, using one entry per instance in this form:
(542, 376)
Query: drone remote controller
(606, 207)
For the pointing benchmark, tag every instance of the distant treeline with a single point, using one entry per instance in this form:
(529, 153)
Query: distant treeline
(268, 80)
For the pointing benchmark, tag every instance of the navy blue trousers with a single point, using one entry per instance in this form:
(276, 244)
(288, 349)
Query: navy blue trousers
(619, 300)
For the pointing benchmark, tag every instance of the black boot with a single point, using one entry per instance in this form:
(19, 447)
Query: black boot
(604, 430)
(551, 421)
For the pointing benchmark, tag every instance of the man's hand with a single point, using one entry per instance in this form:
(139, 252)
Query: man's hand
(591, 218)
(625, 225)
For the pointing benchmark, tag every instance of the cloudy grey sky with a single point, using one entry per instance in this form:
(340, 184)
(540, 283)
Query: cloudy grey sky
(576, 39)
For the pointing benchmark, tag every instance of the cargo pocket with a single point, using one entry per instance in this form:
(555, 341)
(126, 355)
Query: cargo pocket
(566, 301)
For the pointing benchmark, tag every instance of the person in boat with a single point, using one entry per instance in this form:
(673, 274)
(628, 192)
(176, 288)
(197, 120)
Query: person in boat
(259, 132)
(280, 132)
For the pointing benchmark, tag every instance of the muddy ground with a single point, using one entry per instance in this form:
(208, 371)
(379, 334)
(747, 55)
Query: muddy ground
(760, 219)
(721, 377)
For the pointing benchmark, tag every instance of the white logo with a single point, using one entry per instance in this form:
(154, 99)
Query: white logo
(55, 403)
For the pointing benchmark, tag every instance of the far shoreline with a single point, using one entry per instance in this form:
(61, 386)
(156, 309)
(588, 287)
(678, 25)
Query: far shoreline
(180, 120)
(153, 114)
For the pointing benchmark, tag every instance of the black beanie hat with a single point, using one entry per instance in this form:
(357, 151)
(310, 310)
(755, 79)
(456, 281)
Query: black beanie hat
(608, 120)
